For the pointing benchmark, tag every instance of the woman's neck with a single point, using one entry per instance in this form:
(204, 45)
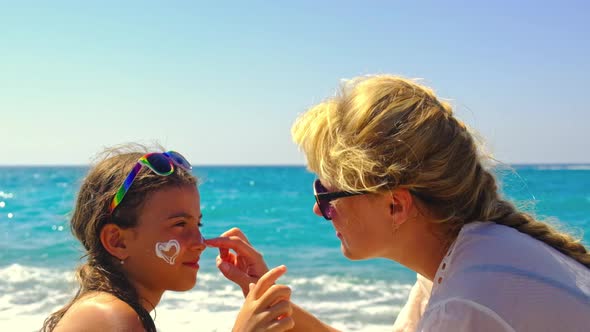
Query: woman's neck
(420, 245)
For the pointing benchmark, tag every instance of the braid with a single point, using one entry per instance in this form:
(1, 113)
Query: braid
(504, 213)
(486, 204)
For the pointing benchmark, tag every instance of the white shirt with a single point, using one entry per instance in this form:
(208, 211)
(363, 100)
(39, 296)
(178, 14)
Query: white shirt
(494, 278)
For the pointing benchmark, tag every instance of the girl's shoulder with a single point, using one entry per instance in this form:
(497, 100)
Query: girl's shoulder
(100, 311)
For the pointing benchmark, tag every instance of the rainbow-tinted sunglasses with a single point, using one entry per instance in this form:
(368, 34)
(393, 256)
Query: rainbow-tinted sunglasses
(323, 197)
(161, 163)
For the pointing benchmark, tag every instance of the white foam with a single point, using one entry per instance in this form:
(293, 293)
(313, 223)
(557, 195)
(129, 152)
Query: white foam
(29, 294)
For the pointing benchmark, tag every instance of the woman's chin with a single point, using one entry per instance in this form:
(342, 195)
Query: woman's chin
(353, 255)
(347, 252)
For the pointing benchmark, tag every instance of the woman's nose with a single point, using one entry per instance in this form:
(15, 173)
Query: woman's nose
(316, 209)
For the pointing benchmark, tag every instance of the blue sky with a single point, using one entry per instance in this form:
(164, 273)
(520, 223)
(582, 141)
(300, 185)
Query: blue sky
(223, 82)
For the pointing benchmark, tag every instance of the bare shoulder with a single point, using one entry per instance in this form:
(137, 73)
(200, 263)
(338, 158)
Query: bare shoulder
(100, 312)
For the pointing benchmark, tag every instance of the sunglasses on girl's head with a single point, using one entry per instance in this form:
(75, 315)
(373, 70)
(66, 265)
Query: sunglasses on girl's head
(161, 163)
(323, 198)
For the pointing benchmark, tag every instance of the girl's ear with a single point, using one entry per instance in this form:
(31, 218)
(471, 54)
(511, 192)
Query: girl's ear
(114, 241)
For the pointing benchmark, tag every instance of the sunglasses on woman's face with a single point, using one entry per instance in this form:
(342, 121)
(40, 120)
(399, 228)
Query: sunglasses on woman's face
(323, 198)
(161, 163)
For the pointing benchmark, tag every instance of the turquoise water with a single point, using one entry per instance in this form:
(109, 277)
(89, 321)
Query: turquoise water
(273, 206)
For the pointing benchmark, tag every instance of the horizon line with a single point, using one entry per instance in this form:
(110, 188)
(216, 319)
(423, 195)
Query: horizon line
(291, 165)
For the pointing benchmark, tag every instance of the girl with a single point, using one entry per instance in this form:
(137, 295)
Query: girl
(138, 216)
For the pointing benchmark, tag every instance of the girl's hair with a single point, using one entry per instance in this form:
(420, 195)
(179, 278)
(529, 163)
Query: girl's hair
(102, 272)
(385, 131)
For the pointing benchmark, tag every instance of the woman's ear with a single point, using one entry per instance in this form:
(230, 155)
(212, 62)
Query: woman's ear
(400, 206)
(114, 241)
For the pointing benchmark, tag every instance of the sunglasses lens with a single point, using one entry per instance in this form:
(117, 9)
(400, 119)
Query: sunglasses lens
(179, 160)
(324, 205)
(159, 163)
(319, 187)
(327, 210)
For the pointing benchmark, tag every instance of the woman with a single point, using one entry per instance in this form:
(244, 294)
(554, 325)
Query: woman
(138, 216)
(400, 177)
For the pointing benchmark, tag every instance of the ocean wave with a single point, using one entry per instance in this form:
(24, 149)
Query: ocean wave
(28, 294)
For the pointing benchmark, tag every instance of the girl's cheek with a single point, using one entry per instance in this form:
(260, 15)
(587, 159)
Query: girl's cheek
(168, 251)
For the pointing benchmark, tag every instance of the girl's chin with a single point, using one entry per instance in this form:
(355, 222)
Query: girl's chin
(184, 286)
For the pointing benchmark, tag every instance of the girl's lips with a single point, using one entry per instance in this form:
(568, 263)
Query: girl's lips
(193, 265)
(339, 235)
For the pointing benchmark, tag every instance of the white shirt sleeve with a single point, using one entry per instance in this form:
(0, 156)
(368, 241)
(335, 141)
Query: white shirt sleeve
(460, 315)
(408, 318)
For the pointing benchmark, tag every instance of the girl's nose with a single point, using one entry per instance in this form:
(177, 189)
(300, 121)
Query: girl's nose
(198, 242)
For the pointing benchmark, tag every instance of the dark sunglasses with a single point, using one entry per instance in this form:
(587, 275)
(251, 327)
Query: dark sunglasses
(161, 163)
(323, 197)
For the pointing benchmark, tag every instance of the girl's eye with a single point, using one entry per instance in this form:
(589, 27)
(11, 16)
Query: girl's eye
(180, 224)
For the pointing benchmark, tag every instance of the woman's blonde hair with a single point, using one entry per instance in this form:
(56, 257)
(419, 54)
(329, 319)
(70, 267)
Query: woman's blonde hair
(382, 132)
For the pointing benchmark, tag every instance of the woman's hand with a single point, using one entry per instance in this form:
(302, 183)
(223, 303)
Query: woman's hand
(267, 306)
(243, 267)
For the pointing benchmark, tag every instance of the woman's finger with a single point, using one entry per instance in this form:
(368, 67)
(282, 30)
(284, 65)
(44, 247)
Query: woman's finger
(236, 244)
(236, 232)
(223, 252)
(230, 258)
(233, 273)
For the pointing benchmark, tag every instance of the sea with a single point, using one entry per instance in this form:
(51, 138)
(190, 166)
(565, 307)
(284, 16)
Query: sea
(273, 206)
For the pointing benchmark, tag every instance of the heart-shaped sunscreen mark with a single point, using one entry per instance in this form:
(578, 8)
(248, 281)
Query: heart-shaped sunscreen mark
(168, 251)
